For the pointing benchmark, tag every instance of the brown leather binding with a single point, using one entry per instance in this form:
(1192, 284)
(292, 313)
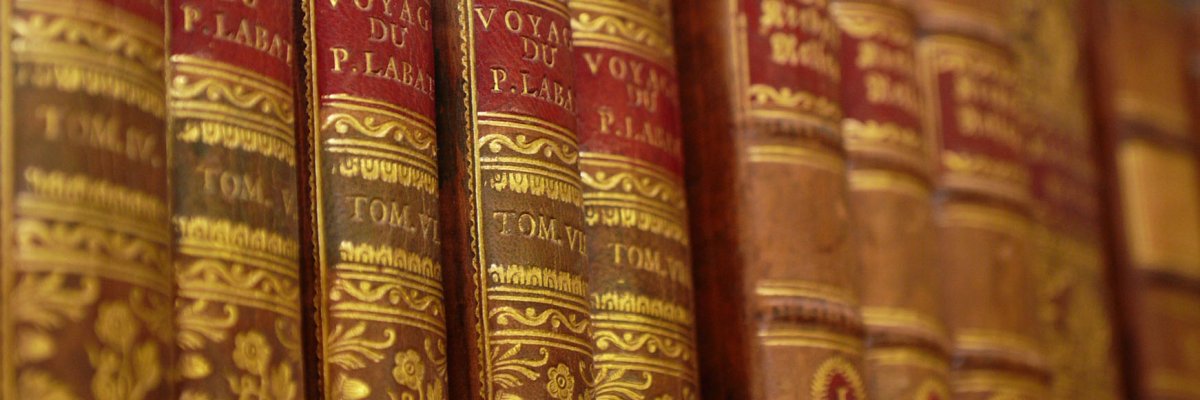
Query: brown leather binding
(776, 270)
(982, 199)
(631, 158)
(890, 183)
(1069, 260)
(1149, 156)
(378, 328)
(1070, 268)
(85, 271)
(512, 207)
(233, 175)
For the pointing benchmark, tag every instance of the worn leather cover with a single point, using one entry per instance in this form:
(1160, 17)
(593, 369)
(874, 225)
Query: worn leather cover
(777, 277)
(631, 161)
(512, 202)
(85, 272)
(1149, 157)
(232, 65)
(982, 200)
(891, 186)
(379, 328)
(1070, 268)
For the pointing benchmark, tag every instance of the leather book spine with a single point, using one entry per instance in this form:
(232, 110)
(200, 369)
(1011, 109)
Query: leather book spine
(982, 200)
(371, 156)
(777, 275)
(231, 105)
(85, 272)
(1149, 157)
(635, 206)
(1070, 268)
(890, 193)
(512, 201)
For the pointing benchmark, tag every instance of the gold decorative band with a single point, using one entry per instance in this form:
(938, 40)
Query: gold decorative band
(368, 118)
(602, 174)
(614, 304)
(997, 341)
(811, 338)
(230, 234)
(622, 26)
(804, 290)
(649, 364)
(562, 283)
(797, 155)
(765, 98)
(955, 53)
(904, 319)
(229, 106)
(69, 47)
(630, 195)
(391, 257)
(230, 85)
(82, 190)
(984, 217)
(1020, 386)
(908, 357)
(891, 181)
(869, 20)
(871, 134)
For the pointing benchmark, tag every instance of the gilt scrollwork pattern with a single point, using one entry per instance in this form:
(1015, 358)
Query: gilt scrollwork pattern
(85, 281)
(90, 289)
(80, 47)
(253, 113)
(769, 97)
(624, 25)
(622, 194)
(233, 272)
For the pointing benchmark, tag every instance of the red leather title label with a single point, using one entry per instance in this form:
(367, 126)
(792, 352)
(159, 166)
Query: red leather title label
(786, 59)
(980, 147)
(880, 94)
(1063, 177)
(632, 106)
(526, 64)
(378, 49)
(253, 34)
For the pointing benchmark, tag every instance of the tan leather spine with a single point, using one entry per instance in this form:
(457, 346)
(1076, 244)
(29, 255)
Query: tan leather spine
(635, 210)
(1070, 267)
(85, 262)
(1149, 154)
(891, 192)
(230, 95)
(982, 200)
(777, 276)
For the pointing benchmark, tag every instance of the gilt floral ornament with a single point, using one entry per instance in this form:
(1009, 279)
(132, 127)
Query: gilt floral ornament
(124, 368)
(562, 384)
(409, 370)
(251, 353)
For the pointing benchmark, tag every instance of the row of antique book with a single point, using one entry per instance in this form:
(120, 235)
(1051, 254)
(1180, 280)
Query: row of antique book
(422, 199)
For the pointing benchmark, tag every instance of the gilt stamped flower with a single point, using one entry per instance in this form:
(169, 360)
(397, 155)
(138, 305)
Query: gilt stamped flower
(562, 384)
(409, 370)
(251, 353)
